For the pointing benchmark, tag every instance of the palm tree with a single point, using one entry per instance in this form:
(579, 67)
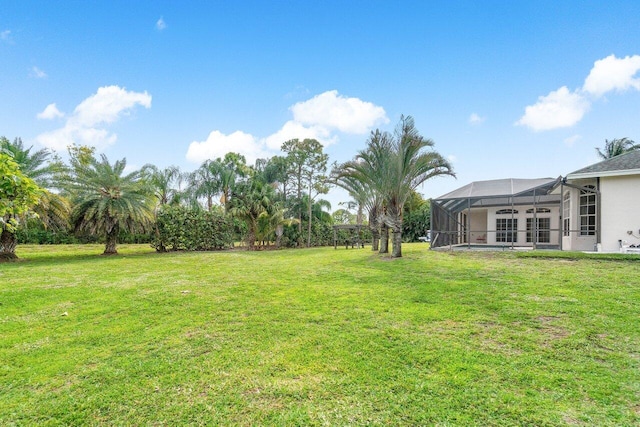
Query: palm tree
(34, 165)
(409, 166)
(365, 178)
(52, 209)
(18, 193)
(393, 166)
(249, 200)
(163, 183)
(615, 147)
(106, 201)
(204, 183)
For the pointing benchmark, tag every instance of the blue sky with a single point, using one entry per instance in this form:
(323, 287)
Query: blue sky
(504, 88)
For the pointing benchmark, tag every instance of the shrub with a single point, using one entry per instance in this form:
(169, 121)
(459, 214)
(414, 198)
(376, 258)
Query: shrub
(181, 228)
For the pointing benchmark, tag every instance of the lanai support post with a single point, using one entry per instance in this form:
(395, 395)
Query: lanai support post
(512, 220)
(534, 238)
(468, 223)
(561, 227)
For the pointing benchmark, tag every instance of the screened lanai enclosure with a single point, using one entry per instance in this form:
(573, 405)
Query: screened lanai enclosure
(503, 213)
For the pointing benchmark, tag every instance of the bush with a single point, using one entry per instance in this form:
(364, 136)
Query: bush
(181, 228)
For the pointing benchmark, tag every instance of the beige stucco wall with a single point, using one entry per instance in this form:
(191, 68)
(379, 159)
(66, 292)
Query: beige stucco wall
(620, 208)
(478, 223)
(576, 242)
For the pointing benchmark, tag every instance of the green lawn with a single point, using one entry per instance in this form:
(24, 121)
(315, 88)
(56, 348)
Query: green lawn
(318, 337)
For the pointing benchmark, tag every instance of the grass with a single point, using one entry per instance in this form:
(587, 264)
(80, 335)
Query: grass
(318, 337)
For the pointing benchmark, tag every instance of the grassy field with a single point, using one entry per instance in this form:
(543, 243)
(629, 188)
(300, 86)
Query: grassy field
(318, 337)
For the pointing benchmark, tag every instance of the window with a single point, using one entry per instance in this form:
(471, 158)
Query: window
(506, 229)
(506, 211)
(539, 210)
(588, 212)
(566, 214)
(543, 229)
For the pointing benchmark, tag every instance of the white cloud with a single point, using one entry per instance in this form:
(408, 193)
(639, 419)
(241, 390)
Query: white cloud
(333, 111)
(563, 108)
(50, 112)
(108, 104)
(218, 144)
(613, 73)
(293, 130)
(160, 24)
(559, 109)
(37, 73)
(320, 117)
(87, 123)
(452, 158)
(475, 119)
(5, 36)
(571, 141)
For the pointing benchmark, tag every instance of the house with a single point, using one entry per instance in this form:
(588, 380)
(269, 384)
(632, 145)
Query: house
(594, 208)
(603, 205)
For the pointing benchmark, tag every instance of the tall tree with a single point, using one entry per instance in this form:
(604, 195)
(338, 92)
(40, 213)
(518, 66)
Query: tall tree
(615, 147)
(163, 183)
(35, 164)
(393, 166)
(217, 177)
(18, 193)
(409, 166)
(365, 179)
(276, 173)
(249, 200)
(52, 209)
(107, 200)
(307, 168)
(232, 168)
(204, 183)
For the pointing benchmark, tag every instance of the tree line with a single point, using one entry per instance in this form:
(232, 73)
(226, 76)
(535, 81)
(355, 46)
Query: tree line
(275, 201)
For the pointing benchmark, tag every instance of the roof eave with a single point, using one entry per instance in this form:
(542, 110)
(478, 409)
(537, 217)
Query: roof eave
(584, 175)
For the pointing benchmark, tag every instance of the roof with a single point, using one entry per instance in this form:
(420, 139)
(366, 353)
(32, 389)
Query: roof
(501, 188)
(500, 192)
(624, 164)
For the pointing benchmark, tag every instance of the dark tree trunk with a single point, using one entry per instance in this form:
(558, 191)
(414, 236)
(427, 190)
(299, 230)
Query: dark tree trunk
(374, 226)
(375, 238)
(161, 246)
(111, 241)
(8, 243)
(251, 238)
(384, 239)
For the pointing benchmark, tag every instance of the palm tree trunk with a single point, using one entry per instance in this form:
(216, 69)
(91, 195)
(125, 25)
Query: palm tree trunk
(160, 245)
(251, 237)
(111, 240)
(309, 226)
(396, 251)
(394, 222)
(384, 239)
(8, 243)
(375, 238)
(279, 232)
